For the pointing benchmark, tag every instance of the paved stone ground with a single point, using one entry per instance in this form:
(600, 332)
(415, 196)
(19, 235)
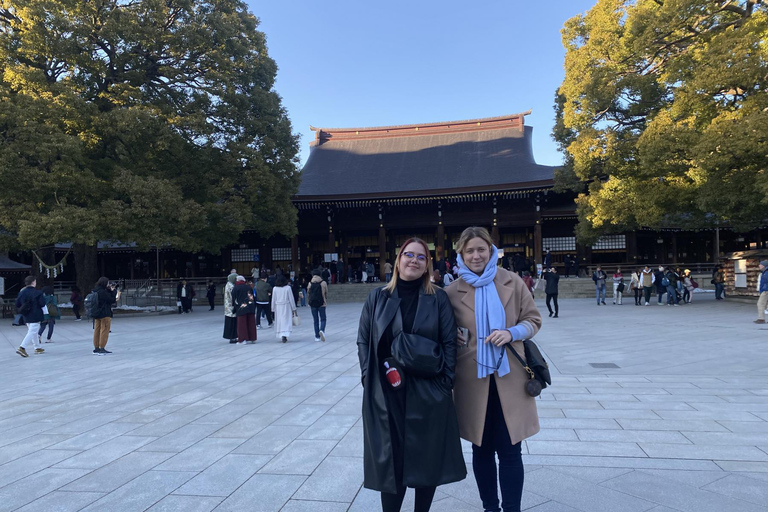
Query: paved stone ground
(178, 419)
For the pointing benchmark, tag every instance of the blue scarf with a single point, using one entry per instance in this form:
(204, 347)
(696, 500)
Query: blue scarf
(489, 316)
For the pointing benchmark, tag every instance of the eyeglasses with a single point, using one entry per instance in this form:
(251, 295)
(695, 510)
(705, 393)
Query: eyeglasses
(411, 255)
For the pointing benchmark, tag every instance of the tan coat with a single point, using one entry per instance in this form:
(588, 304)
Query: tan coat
(470, 393)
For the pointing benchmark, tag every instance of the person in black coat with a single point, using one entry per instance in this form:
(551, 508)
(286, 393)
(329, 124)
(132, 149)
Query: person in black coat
(411, 433)
(553, 279)
(211, 294)
(30, 304)
(184, 294)
(244, 305)
(102, 314)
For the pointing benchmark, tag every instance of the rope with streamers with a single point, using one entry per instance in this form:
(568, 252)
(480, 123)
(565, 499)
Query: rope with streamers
(54, 270)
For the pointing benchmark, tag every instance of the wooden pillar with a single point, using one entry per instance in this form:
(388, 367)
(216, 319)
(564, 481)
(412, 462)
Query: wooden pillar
(440, 241)
(131, 264)
(331, 241)
(632, 248)
(382, 252)
(537, 249)
(674, 247)
(295, 254)
(716, 246)
(495, 235)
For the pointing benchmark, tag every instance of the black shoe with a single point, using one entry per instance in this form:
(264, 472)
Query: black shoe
(550, 314)
(602, 302)
(232, 342)
(554, 316)
(96, 352)
(104, 351)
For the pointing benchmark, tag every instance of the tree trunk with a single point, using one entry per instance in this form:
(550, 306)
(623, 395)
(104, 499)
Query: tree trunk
(48, 256)
(86, 267)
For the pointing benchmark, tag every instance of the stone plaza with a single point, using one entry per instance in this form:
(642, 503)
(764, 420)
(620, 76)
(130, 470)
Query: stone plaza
(651, 409)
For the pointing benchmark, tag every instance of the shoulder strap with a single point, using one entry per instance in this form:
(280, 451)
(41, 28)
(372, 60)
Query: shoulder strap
(522, 362)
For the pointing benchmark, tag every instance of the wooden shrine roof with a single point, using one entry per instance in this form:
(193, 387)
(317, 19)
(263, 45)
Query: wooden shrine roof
(478, 155)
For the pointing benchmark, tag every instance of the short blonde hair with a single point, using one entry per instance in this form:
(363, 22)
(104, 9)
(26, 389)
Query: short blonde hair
(426, 284)
(470, 233)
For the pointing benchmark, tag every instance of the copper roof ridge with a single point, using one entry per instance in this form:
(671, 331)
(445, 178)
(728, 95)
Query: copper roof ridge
(423, 125)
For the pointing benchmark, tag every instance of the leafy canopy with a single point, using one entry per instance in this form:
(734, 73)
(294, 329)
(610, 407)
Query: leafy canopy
(152, 121)
(663, 114)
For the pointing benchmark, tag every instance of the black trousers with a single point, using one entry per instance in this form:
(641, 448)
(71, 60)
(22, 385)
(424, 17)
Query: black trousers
(551, 297)
(638, 296)
(511, 473)
(267, 311)
(210, 302)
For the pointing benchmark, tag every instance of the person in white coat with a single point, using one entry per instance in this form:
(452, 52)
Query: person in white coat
(283, 307)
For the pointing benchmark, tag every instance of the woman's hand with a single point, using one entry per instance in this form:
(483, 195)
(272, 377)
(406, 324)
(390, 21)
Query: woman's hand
(499, 338)
(461, 339)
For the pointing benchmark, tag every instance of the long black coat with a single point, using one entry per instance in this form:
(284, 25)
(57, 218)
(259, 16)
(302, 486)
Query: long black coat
(432, 449)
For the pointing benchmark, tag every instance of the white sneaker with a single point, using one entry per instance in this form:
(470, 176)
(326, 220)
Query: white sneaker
(78, 319)
(317, 339)
(647, 304)
(322, 336)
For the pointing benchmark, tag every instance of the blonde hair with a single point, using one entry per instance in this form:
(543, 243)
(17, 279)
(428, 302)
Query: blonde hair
(426, 284)
(470, 233)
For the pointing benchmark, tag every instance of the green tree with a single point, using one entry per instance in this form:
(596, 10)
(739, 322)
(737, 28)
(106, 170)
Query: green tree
(149, 121)
(663, 114)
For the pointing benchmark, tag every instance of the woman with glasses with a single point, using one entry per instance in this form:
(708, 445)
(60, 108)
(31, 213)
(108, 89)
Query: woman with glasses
(493, 309)
(407, 349)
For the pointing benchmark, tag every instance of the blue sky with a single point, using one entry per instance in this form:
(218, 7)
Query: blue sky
(345, 63)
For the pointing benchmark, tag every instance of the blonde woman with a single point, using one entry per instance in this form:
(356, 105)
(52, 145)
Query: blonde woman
(411, 435)
(495, 413)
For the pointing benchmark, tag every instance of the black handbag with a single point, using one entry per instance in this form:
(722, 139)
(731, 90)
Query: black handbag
(537, 368)
(417, 355)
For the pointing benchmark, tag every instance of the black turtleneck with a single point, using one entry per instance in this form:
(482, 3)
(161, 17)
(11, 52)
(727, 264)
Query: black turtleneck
(408, 291)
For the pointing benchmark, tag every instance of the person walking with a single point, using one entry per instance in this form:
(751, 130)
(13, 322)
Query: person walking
(647, 280)
(599, 277)
(263, 300)
(495, 310)
(718, 279)
(29, 304)
(387, 271)
(76, 298)
(618, 286)
(689, 285)
(106, 297)
(553, 280)
(636, 286)
(671, 283)
(661, 287)
(318, 301)
(547, 259)
(211, 294)
(230, 316)
(567, 266)
(49, 318)
(762, 301)
(410, 429)
(244, 306)
(283, 307)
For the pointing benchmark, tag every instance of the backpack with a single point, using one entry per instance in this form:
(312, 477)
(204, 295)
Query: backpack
(91, 304)
(316, 295)
(664, 281)
(53, 310)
